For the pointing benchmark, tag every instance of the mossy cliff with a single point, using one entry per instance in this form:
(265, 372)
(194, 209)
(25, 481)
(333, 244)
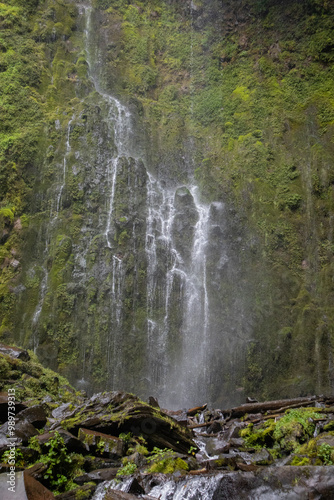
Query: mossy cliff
(237, 95)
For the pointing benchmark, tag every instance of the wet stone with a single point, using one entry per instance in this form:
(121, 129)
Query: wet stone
(71, 442)
(97, 476)
(105, 444)
(14, 352)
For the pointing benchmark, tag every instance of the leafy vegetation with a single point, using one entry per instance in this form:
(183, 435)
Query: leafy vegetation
(165, 462)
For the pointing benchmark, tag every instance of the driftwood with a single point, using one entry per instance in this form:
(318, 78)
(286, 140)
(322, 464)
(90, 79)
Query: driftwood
(195, 410)
(276, 406)
(197, 472)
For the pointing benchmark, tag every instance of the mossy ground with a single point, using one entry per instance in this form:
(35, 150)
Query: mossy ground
(292, 434)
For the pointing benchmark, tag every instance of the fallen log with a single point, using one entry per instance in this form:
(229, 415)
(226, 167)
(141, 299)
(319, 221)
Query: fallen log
(242, 410)
(195, 410)
(198, 472)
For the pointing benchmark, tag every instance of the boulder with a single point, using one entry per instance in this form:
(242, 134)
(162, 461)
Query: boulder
(104, 444)
(72, 443)
(14, 352)
(36, 471)
(35, 415)
(35, 490)
(4, 407)
(117, 412)
(215, 446)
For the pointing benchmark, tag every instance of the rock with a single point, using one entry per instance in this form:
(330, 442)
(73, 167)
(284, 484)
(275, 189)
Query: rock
(36, 471)
(179, 415)
(234, 430)
(214, 428)
(119, 495)
(24, 431)
(93, 463)
(35, 415)
(116, 412)
(35, 490)
(14, 352)
(247, 467)
(264, 483)
(138, 459)
(63, 411)
(224, 460)
(237, 442)
(262, 457)
(71, 442)
(215, 446)
(134, 487)
(325, 438)
(105, 444)
(97, 476)
(4, 407)
(153, 402)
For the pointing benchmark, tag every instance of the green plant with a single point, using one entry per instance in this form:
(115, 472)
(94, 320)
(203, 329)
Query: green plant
(101, 446)
(125, 437)
(59, 462)
(127, 470)
(165, 462)
(8, 456)
(294, 428)
(326, 454)
(34, 444)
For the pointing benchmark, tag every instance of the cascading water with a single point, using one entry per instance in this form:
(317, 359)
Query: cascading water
(175, 274)
(135, 290)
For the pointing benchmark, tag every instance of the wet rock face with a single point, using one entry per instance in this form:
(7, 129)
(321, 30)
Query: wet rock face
(184, 222)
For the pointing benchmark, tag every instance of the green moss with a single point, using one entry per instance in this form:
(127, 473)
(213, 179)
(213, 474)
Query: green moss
(164, 462)
(300, 461)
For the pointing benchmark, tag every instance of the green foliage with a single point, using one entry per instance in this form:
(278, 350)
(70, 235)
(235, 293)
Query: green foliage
(165, 462)
(295, 427)
(125, 437)
(326, 454)
(259, 437)
(7, 457)
(127, 470)
(34, 444)
(300, 461)
(285, 435)
(59, 462)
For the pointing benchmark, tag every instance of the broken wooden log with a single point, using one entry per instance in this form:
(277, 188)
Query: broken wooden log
(276, 406)
(195, 410)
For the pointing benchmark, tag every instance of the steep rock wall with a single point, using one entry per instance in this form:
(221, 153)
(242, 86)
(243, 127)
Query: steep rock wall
(234, 98)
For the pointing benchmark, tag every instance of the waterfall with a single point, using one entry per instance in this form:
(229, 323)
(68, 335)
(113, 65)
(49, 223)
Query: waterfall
(177, 297)
(134, 281)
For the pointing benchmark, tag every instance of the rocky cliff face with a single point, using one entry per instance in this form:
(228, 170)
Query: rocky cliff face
(169, 230)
